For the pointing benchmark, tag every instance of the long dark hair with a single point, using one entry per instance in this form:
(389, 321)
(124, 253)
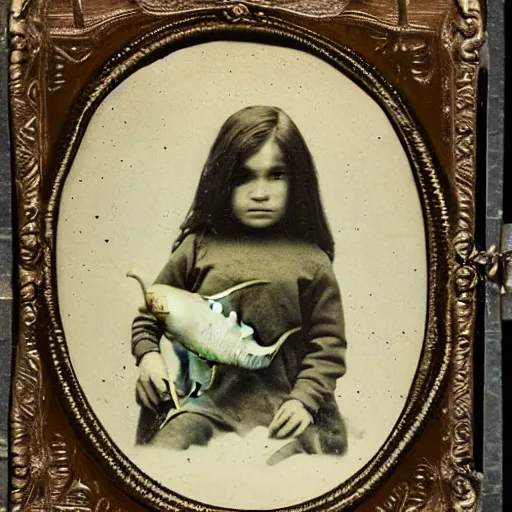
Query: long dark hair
(240, 137)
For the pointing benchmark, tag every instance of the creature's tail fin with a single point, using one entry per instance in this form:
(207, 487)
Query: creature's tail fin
(272, 350)
(259, 356)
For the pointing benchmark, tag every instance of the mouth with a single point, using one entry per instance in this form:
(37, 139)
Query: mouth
(260, 210)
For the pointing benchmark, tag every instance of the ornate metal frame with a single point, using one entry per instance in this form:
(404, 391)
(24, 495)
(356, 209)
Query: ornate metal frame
(61, 456)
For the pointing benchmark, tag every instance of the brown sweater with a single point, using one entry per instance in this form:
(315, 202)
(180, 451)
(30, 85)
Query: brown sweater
(302, 292)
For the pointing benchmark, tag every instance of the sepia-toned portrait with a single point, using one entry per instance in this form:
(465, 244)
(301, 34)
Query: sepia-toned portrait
(241, 269)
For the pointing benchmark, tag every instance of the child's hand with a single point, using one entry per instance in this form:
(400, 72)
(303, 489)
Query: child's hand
(152, 386)
(291, 420)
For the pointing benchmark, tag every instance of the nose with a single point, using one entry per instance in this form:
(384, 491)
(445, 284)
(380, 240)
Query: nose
(259, 191)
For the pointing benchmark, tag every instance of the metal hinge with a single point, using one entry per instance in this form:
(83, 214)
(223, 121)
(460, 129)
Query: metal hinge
(506, 247)
(497, 267)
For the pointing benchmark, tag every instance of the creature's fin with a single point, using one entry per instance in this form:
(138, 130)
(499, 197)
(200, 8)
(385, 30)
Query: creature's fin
(256, 357)
(235, 288)
(285, 336)
(260, 350)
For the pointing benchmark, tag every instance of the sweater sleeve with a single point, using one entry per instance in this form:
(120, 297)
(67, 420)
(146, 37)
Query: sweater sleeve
(324, 361)
(146, 330)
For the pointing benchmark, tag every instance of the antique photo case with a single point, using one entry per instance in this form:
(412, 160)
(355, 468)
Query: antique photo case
(247, 270)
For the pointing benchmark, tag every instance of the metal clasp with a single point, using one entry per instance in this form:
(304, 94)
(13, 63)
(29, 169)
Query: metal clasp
(492, 264)
(495, 266)
(506, 247)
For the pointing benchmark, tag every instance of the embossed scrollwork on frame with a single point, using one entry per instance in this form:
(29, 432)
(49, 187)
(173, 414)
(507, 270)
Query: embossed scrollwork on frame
(241, 12)
(466, 50)
(424, 492)
(313, 8)
(470, 26)
(27, 414)
(27, 439)
(41, 467)
(411, 47)
(43, 473)
(61, 56)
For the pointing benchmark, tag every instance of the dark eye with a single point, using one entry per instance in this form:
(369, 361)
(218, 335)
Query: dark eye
(240, 177)
(279, 175)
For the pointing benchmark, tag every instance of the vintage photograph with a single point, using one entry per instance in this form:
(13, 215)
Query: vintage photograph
(242, 273)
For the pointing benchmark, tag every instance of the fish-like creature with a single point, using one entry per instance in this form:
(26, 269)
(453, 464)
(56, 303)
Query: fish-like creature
(197, 322)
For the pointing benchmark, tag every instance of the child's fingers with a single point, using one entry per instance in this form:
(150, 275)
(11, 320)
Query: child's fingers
(279, 415)
(293, 428)
(288, 428)
(147, 386)
(301, 427)
(142, 397)
(162, 388)
(279, 420)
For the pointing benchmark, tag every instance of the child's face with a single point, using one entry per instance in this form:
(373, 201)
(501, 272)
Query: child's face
(260, 193)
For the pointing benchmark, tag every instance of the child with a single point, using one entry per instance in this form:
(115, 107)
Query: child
(256, 214)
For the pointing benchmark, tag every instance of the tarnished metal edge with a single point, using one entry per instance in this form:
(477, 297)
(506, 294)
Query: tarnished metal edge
(492, 491)
(5, 262)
